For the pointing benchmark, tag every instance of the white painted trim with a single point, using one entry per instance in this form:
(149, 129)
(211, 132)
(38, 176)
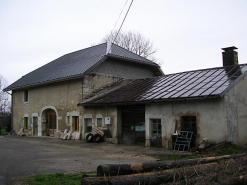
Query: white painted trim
(57, 116)
(26, 115)
(49, 107)
(35, 114)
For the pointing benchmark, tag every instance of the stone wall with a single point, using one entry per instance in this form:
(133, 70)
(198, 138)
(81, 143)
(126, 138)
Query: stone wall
(62, 97)
(124, 69)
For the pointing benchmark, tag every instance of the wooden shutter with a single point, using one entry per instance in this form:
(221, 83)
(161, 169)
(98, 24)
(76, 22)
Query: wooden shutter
(29, 123)
(22, 122)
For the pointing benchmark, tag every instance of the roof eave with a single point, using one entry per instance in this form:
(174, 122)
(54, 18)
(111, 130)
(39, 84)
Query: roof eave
(148, 101)
(44, 83)
(60, 79)
(131, 60)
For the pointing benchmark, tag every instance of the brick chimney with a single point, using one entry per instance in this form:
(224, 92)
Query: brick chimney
(230, 57)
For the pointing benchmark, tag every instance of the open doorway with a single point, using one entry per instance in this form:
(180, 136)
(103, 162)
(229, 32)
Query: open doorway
(188, 123)
(50, 122)
(133, 124)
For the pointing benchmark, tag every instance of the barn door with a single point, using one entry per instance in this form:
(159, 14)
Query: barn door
(51, 122)
(133, 124)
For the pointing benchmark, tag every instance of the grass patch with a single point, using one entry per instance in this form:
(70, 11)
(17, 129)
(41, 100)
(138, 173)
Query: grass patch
(3, 132)
(227, 149)
(58, 179)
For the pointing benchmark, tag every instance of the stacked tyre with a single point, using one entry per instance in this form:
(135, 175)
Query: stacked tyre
(94, 138)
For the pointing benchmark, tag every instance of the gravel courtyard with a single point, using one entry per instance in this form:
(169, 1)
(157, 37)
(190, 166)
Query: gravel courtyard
(26, 156)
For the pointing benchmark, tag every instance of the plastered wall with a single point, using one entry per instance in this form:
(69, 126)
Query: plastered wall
(236, 112)
(102, 112)
(210, 115)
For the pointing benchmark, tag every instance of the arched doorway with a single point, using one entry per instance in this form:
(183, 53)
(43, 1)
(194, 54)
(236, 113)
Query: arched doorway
(49, 122)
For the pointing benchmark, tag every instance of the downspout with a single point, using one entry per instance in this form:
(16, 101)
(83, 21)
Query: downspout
(11, 117)
(82, 108)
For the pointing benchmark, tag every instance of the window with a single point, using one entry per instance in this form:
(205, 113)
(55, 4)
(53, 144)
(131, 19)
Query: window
(75, 123)
(26, 96)
(88, 122)
(99, 122)
(156, 127)
(188, 123)
(25, 122)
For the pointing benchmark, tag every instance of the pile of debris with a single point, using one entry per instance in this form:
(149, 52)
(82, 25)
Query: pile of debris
(228, 169)
(66, 135)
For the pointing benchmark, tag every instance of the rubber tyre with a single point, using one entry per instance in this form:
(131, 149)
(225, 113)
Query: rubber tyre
(89, 138)
(97, 138)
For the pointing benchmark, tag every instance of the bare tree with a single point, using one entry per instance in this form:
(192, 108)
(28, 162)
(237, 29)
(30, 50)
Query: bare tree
(4, 96)
(134, 42)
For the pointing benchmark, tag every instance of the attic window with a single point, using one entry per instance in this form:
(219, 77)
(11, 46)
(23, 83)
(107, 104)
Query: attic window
(26, 96)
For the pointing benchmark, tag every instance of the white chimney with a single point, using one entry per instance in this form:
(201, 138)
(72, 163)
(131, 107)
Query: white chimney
(108, 48)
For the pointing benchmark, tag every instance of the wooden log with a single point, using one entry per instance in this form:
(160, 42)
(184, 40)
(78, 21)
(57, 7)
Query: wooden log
(233, 181)
(163, 176)
(124, 169)
(215, 146)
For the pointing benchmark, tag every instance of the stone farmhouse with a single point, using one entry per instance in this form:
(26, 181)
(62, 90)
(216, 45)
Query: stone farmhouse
(212, 103)
(132, 98)
(45, 100)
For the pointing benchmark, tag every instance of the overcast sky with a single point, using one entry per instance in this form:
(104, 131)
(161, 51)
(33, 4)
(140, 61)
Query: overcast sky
(188, 34)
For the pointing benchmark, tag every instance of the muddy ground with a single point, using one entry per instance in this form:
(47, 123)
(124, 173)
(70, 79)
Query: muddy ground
(26, 156)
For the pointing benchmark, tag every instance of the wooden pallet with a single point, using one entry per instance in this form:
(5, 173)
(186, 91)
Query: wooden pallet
(97, 130)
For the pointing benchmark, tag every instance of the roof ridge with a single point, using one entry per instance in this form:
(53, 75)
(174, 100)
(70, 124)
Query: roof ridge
(203, 69)
(83, 49)
(134, 53)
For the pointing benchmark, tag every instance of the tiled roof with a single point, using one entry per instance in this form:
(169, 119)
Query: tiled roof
(75, 64)
(206, 83)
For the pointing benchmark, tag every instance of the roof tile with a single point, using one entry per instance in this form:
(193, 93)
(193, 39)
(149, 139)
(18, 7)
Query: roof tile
(192, 84)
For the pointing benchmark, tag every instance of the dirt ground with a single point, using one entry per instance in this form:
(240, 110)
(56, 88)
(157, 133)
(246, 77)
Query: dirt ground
(26, 156)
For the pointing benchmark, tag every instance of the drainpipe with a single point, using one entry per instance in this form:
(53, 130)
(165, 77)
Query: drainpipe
(11, 117)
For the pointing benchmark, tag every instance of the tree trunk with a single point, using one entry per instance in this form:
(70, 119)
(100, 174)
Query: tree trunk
(125, 169)
(164, 176)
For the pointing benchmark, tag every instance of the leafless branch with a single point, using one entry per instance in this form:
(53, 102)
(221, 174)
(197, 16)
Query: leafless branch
(134, 42)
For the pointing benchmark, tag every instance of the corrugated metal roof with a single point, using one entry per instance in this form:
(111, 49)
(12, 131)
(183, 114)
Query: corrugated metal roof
(75, 64)
(204, 83)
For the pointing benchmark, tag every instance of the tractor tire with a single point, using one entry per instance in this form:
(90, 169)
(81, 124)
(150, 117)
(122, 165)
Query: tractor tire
(89, 138)
(97, 138)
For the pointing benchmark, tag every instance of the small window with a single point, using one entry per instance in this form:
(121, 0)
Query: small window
(75, 123)
(26, 96)
(188, 123)
(25, 122)
(88, 123)
(99, 122)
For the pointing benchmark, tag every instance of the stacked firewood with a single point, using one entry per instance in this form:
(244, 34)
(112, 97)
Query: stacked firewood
(228, 169)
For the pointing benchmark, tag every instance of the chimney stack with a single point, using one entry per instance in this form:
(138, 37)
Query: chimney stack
(108, 47)
(230, 57)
